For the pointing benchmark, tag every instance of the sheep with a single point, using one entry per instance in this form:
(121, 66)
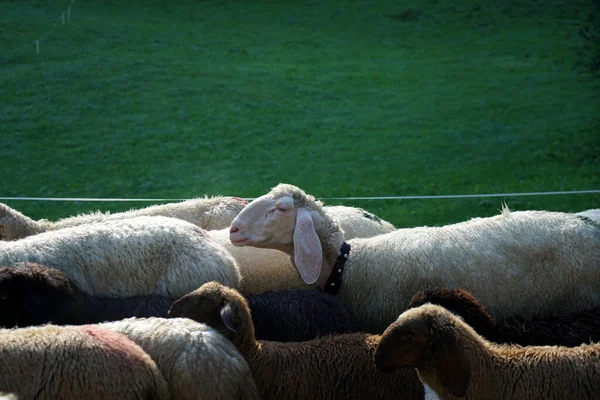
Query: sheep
(290, 315)
(333, 367)
(196, 361)
(519, 264)
(86, 362)
(208, 213)
(569, 330)
(454, 361)
(357, 222)
(267, 269)
(593, 215)
(129, 257)
(261, 269)
(31, 294)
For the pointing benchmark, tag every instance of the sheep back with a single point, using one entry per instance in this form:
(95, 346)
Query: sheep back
(207, 213)
(357, 222)
(519, 264)
(129, 257)
(52, 362)
(297, 315)
(197, 362)
(570, 330)
(14, 225)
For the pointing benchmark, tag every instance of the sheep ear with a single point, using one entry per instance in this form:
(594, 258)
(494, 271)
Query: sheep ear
(452, 365)
(229, 313)
(308, 254)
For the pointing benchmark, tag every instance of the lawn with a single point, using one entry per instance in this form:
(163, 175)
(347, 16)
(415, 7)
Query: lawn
(156, 99)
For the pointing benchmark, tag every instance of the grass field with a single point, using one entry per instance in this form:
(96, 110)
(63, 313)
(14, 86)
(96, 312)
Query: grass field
(158, 99)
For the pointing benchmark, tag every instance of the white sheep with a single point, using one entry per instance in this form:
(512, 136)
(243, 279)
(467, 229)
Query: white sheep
(196, 361)
(519, 264)
(84, 362)
(261, 269)
(208, 213)
(456, 362)
(267, 269)
(129, 257)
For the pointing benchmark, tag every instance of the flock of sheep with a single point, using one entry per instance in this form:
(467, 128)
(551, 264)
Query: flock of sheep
(284, 298)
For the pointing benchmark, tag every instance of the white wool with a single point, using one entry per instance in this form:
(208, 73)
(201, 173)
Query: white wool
(129, 257)
(520, 264)
(267, 269)
(196, 361)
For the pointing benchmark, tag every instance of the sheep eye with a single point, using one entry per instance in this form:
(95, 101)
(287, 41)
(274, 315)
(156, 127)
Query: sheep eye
(3, 297)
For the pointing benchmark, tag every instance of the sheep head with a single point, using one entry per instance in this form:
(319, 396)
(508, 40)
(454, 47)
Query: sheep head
(218, 306)
(28, 292)
(285, 219)
(425, 338)
(460, 302)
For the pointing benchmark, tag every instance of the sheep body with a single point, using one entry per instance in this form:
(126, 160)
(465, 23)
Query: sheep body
(519, 264)
(196, 361)
(268, 270)
(208, 213)
(85, 362)
(334, 367)
(34, 295)
(456, 362)
(572, 329)
(129, 257)
(290, 315)
(357, 222)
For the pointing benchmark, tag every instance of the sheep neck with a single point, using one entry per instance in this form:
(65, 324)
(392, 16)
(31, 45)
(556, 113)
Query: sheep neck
(331, 244)
(334, 282)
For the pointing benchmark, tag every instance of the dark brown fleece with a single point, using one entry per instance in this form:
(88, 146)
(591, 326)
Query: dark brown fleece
(31, 294)
(569, 330)
(333, 367)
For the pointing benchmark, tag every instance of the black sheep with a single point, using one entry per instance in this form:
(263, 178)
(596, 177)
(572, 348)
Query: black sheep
(293, 315)
(569, 330)
(31, 294)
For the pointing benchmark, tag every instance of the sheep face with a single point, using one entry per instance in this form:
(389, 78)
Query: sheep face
(210, 304)
(403, 344)
(425, 338)
(286, 219)
(266, 222)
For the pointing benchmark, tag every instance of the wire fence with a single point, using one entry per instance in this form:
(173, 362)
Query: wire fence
(63, 19)
(424, 197)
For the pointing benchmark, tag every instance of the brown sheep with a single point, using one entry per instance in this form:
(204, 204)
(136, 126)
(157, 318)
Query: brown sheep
(333, 367)
(456, 362)
(570, 330)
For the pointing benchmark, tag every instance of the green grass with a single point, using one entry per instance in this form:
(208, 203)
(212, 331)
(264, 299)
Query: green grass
(342, 98)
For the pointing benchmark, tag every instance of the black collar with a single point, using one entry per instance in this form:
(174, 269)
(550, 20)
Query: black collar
(334, 283)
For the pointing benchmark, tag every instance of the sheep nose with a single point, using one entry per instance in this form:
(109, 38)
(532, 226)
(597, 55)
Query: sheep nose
(233, 229)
